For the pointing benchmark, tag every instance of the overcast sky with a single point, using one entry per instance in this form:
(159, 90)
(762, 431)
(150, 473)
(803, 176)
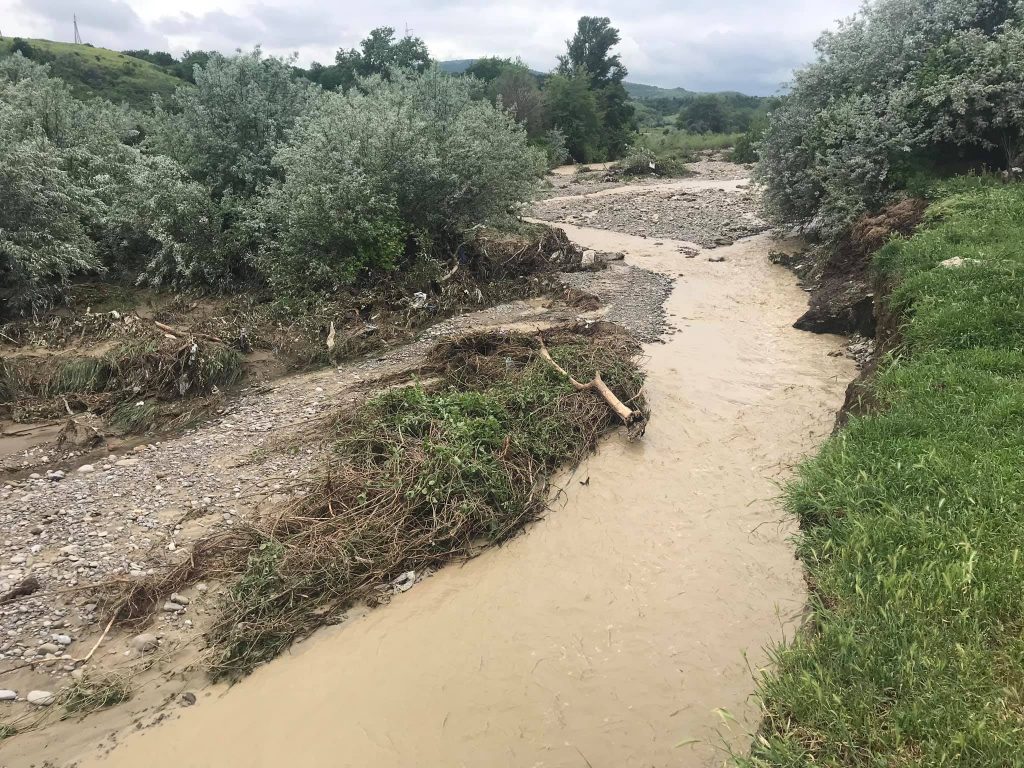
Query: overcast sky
(745, 45)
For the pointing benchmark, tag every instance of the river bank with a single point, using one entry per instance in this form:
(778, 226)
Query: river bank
(627, 622)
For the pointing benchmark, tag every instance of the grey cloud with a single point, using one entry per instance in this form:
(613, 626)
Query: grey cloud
(107, 23)
(745, 45)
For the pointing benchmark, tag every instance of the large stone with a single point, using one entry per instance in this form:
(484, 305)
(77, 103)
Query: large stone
(41, 698)
(957, 261)
(8, 695)
(145, 642)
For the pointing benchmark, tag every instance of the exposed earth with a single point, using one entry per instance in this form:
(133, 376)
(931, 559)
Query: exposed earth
(610, 632)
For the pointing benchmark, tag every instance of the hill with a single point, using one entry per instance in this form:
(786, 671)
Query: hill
(92, 71)
(641, 92)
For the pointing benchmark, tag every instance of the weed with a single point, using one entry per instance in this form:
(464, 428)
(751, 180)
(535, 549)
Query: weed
(133, 416)
(83, 374)
(93, 693)
(6, 731)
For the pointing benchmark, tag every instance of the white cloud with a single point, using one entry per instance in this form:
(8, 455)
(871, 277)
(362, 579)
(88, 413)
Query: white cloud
(747, 45)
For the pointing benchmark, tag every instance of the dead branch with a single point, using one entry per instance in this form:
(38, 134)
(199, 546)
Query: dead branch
(450, 275)
(182, 334)
(597, 384)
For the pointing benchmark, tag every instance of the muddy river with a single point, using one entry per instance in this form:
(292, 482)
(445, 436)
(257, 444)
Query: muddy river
(626, 628)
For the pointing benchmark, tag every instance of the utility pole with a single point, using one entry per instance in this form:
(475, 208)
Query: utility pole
(408, 32)
(78, 37)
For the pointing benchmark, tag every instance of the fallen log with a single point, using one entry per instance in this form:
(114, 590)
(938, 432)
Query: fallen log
(628, 415)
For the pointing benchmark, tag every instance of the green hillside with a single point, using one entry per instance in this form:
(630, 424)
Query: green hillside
(94, 71)
(642, 92)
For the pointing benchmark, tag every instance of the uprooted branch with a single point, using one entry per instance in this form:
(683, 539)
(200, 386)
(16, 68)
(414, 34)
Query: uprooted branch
(628, 415)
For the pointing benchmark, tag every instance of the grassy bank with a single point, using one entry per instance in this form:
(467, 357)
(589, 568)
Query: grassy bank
(92, 71)
(914, 524)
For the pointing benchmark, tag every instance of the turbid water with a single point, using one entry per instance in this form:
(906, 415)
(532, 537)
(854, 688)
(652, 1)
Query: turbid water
(624, 629)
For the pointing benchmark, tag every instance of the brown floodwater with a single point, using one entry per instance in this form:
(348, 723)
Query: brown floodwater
(623, 630)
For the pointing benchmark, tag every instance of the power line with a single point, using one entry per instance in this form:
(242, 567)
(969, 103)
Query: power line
(78, 37)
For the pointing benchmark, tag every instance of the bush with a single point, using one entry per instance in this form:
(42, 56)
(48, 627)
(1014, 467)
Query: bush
(642, 161)
(226, 130)
(906, 82)
(413, 156)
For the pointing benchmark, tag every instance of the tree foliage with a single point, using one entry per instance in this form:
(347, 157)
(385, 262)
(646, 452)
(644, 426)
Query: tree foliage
(380, 53)
(226, 129)
(414, 158)
(904, 85)
(606, 125)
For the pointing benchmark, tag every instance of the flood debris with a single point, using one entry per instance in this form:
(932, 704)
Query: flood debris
(418, 474)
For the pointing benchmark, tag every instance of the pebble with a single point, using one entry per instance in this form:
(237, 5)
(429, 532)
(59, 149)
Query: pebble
(8, 695)
(179, 599)
(86, 469)
(173, 607)
(41, 698)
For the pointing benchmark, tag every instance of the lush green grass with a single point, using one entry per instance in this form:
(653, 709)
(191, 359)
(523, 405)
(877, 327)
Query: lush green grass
(101, 72)
(914, 524)
(671, 144)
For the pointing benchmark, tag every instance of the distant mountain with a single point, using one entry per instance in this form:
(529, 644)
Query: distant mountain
(642, 92)
(455, 66)
(637, 91)
(92, 71)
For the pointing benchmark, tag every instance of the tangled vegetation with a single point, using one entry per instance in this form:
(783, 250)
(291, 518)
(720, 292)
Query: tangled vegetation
(906, 87)
(420, 474)
(913, 522)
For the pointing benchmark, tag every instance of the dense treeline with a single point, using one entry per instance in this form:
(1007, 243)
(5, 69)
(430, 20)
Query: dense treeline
(905, 88)
(251, 175)
(580, 111)
(255, 172)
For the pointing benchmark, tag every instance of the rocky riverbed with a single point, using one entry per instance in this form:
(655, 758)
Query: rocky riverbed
(708, 215)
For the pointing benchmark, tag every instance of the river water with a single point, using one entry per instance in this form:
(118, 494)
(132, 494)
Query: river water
(624, 629)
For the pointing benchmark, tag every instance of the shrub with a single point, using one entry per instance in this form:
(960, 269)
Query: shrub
(226, 130)
(413, 156)
(906, 81)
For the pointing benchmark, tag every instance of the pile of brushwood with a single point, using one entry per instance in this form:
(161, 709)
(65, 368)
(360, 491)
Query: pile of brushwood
(420, 474)
(129, 385)
(913, 520)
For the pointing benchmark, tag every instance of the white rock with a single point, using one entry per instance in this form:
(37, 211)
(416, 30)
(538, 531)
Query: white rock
(62, 639)
(179, 599)
(173, 607)
(86, 468)
(589, 257)
(8, 695)
(957, 261)
(41, 698)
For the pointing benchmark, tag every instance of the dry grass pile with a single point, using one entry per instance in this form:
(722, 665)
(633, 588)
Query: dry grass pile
(128, 384)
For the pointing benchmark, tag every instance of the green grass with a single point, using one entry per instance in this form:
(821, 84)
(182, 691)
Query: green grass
(674, 148)
(914, 525)
(101, 72)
